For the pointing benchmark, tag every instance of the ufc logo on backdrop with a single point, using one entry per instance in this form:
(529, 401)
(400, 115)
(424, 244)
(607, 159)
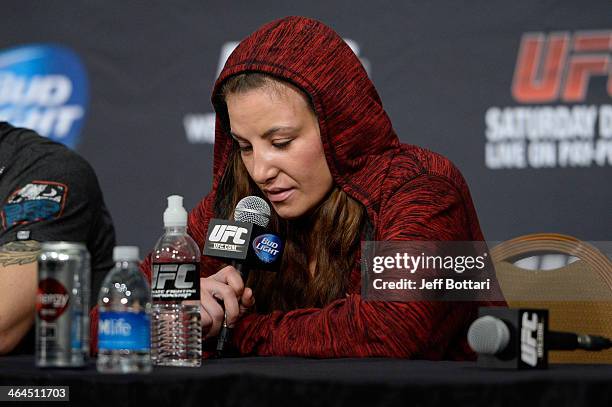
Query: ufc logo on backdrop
(172, 272)
(561, 65)
(529, 353)
(222, 233)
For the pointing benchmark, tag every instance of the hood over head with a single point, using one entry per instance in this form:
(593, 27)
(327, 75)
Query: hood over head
(355, 130)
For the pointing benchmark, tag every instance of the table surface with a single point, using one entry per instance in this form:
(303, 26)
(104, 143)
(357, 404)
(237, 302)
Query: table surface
(259, 380)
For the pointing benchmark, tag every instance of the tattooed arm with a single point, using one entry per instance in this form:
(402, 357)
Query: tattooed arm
(18, 270)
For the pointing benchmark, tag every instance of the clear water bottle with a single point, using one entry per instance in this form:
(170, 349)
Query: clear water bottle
(124, 326)
(176, 337)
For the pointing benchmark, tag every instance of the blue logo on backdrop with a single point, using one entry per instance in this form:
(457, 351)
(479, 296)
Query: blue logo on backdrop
(44, 87)
(267, 247)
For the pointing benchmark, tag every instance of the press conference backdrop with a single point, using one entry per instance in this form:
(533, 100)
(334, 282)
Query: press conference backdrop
(517, 93)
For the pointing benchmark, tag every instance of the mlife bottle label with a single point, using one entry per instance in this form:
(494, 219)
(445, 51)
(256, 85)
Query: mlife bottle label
(124, 330)
(175, 282)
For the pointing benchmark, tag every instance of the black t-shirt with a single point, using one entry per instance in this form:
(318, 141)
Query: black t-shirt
(50, 193)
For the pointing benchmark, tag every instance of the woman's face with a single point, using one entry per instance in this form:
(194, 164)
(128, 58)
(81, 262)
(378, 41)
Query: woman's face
(281, 148)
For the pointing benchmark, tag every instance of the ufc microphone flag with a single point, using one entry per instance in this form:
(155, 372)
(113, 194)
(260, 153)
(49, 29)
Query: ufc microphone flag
(244, 241)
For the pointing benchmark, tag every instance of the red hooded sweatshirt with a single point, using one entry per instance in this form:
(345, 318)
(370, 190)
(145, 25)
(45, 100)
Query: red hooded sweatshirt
(409, 194)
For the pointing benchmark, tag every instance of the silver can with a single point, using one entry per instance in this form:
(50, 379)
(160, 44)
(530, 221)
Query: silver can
(62, 305)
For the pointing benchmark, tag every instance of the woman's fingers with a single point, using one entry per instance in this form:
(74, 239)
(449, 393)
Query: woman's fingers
(230, 276)
(214, 315)
(206, 321)
(247, 300)
(221, 292)
(223, 297)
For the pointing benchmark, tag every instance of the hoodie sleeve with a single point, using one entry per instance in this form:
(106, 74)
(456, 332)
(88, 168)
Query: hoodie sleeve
(426, 208)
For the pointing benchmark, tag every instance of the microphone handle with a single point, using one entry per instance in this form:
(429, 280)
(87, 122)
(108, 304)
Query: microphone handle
(562, 341)
(571, 341)
(226, 332)
(594, 342)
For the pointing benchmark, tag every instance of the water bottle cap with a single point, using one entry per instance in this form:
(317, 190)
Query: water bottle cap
(175, 214)
(126, 253)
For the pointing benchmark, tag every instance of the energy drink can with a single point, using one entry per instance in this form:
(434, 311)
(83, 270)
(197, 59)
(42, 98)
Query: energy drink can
(62, 305)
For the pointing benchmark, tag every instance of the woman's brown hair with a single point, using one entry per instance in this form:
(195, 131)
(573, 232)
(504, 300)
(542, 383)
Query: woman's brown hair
(329, 236)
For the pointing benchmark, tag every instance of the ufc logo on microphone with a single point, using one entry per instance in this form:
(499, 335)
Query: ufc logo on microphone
(172, 272)
(529, 327)
(222, 233)
(561, 66)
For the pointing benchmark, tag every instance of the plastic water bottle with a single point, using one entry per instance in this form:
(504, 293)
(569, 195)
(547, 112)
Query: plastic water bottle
(124, 327)
(176, 338)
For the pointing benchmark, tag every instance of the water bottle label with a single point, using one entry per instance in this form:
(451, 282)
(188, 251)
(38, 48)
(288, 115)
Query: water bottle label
(124, 330)
(175, 282)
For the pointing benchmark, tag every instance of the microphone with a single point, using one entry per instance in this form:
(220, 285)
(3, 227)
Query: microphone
(519, 338)
(246, 243)
(251, 209)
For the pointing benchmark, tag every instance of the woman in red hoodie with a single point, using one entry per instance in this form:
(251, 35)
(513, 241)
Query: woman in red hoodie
(300, 124)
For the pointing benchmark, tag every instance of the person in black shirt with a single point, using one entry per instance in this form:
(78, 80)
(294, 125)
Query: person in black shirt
(47, 193)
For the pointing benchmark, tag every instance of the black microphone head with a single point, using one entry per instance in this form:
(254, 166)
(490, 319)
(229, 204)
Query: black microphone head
(488, 335)
(252, 209)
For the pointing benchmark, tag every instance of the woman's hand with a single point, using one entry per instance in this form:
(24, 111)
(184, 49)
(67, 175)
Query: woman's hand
(227, 286)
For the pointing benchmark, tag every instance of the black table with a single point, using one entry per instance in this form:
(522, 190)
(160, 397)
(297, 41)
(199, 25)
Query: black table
(273, 381)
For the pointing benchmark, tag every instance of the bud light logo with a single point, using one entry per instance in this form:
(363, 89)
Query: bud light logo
(267, 247)
(44, 88)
